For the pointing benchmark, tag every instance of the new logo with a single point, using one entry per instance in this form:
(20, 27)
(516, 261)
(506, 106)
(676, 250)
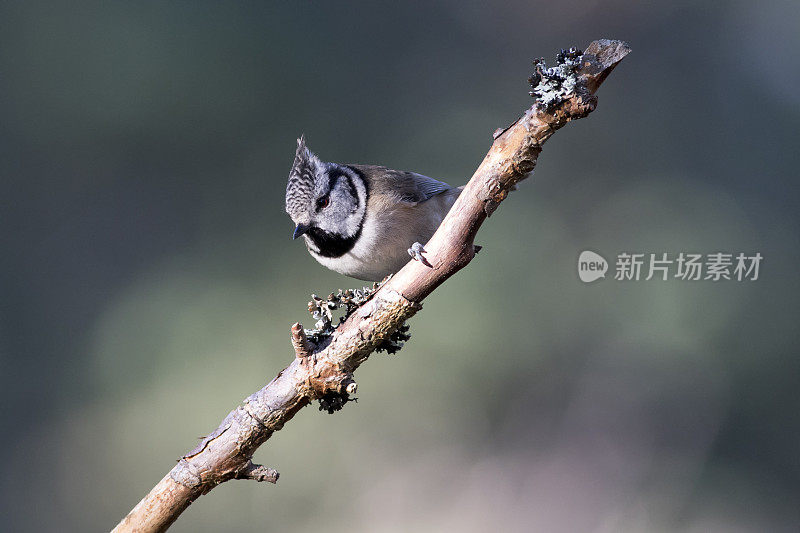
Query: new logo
(591, 266)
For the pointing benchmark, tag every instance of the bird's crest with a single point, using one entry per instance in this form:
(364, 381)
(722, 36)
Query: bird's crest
(300, 188)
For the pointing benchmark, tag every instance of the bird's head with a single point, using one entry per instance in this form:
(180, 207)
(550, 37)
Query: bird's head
(326, 201)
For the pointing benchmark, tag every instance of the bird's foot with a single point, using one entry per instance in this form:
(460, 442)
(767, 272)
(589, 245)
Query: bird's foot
(477, 248)
(416, 252)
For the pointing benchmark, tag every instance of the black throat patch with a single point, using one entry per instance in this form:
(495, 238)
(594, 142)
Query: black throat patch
(332, 244)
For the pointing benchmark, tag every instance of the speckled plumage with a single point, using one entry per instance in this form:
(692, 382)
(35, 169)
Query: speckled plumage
(301, 179)
(373, 215)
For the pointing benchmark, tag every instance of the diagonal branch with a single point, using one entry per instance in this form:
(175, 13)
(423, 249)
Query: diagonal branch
(564, 93)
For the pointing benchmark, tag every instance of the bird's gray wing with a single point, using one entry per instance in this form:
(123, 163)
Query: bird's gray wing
(427, 187)
(408, 187)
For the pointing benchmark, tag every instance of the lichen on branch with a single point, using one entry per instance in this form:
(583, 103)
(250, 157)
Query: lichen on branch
(553, 85)
(322, 310)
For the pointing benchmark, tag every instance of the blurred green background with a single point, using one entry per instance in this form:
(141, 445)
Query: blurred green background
(149, 280)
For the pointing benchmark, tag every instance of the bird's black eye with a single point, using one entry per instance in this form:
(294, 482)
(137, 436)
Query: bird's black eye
(323, 202)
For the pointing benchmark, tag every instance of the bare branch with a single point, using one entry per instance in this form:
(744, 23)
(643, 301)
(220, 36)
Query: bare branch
(565, 92)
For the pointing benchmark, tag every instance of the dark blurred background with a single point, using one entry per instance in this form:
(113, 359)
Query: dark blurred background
(148, 278)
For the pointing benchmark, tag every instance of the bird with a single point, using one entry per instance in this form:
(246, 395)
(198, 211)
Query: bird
(363, 221)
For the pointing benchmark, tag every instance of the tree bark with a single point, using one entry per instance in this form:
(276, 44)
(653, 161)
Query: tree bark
(327, 368)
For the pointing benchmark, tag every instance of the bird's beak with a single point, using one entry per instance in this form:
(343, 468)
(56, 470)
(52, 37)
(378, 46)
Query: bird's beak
(300, 229)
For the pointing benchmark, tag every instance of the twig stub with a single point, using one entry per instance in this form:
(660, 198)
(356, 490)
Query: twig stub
(302, 346)
(257, 473)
